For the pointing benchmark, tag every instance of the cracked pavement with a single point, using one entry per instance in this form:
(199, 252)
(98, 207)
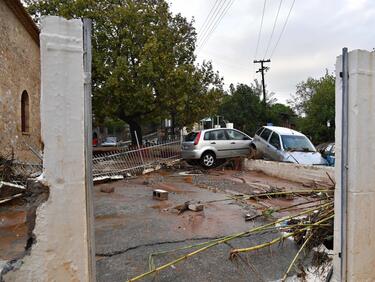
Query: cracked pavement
(130, 225)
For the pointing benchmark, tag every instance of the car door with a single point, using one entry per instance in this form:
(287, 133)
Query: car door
(218, 139)
(240, 142)
(274, 147)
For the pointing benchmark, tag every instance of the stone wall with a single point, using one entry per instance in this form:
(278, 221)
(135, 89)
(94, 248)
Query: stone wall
(20, 70)
(306, 174)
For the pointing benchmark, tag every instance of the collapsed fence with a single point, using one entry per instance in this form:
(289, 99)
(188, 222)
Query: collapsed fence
(18, 171)
(135, 161)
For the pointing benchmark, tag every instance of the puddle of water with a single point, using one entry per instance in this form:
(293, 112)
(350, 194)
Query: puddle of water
(13, 230)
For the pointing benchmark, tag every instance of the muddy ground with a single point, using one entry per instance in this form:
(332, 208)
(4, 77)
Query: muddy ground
(130, 225)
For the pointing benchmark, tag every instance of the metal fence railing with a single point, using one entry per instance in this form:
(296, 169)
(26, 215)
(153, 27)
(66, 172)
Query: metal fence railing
(27, 168)
(134, 161)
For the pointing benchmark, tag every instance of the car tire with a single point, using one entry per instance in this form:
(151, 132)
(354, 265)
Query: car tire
(208, 160)
(253, 153)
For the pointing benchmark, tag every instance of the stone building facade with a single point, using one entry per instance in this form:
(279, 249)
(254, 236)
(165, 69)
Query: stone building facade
(19, 83)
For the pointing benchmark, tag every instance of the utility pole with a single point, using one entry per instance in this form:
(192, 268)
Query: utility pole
(262, 70)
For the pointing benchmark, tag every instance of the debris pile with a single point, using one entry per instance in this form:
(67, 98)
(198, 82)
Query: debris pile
(7, 171)
(309, 223)
(19, 200)
(189, 206)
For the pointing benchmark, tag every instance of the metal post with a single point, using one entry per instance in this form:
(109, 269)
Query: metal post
(344, 161)
(139, 148)
(87, 59)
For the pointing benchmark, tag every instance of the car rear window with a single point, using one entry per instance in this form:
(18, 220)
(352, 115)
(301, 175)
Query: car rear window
(191, 136)
(265, 134)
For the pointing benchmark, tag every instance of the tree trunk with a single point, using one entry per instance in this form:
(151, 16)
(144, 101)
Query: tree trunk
(173, 124)
(135, 127)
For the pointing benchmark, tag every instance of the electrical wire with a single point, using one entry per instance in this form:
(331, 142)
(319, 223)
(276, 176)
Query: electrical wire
(224, 12)
(260, 29)
(273, 29)
(201, 29)
(283, 29)
(211, 21)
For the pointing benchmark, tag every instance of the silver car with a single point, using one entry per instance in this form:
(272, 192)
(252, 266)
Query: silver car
(207, 146)
(285, 145)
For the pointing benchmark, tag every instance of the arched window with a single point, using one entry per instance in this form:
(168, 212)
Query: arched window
(25, 114)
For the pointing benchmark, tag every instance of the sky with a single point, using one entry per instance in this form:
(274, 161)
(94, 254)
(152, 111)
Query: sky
(314, 36)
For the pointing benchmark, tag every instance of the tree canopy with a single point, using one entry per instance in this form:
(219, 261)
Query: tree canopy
(315, 101)
(143, 61)
(243, 106)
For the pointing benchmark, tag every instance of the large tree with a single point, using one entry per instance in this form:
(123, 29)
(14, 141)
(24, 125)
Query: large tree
(143, 60)
(315, 101)
(243, 107)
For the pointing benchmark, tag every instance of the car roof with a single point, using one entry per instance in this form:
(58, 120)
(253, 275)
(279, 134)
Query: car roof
(211, 129)
(221, 128)
(284, 130)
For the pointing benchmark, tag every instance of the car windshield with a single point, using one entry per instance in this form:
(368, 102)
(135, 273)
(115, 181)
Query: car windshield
(296, 143)
(110, 139)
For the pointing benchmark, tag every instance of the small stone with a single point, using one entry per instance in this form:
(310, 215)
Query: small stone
(196, 208)
(159, 194)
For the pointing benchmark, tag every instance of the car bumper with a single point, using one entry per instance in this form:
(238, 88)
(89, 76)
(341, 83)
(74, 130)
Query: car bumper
(190, 155)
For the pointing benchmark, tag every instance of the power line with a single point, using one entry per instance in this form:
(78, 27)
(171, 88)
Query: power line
(216, 8)
(224, 12)
(213, 18)
(213, 24)
(283, 29)
(260, 29)
(209, 15)
(273, 29)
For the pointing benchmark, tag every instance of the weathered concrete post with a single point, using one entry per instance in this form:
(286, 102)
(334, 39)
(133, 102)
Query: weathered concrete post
(61, 251)
(355, 261)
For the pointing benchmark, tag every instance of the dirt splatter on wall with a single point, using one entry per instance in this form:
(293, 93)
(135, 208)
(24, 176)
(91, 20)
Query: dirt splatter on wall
(19, 82)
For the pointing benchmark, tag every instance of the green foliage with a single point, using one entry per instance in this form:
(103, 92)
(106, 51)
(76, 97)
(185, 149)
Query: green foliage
(143, 60)
(243, 106)
(114, 125)
(315, 98)
(281, 115)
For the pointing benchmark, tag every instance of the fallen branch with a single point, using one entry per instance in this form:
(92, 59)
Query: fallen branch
(295, 257)
(217, 242)
(287, 193)
(257, 247)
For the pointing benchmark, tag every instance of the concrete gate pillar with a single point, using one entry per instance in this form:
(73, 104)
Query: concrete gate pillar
(61, 251)
(359, 225)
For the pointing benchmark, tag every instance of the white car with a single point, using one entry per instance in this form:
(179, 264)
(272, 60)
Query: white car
(207, 146)
(109, 142)
(285, 145)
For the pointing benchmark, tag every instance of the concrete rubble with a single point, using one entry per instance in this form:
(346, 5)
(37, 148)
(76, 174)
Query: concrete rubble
(18, 207)
(135, 234)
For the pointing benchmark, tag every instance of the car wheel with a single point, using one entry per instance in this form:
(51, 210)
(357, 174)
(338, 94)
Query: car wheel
(208, 160)
(254, 153)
